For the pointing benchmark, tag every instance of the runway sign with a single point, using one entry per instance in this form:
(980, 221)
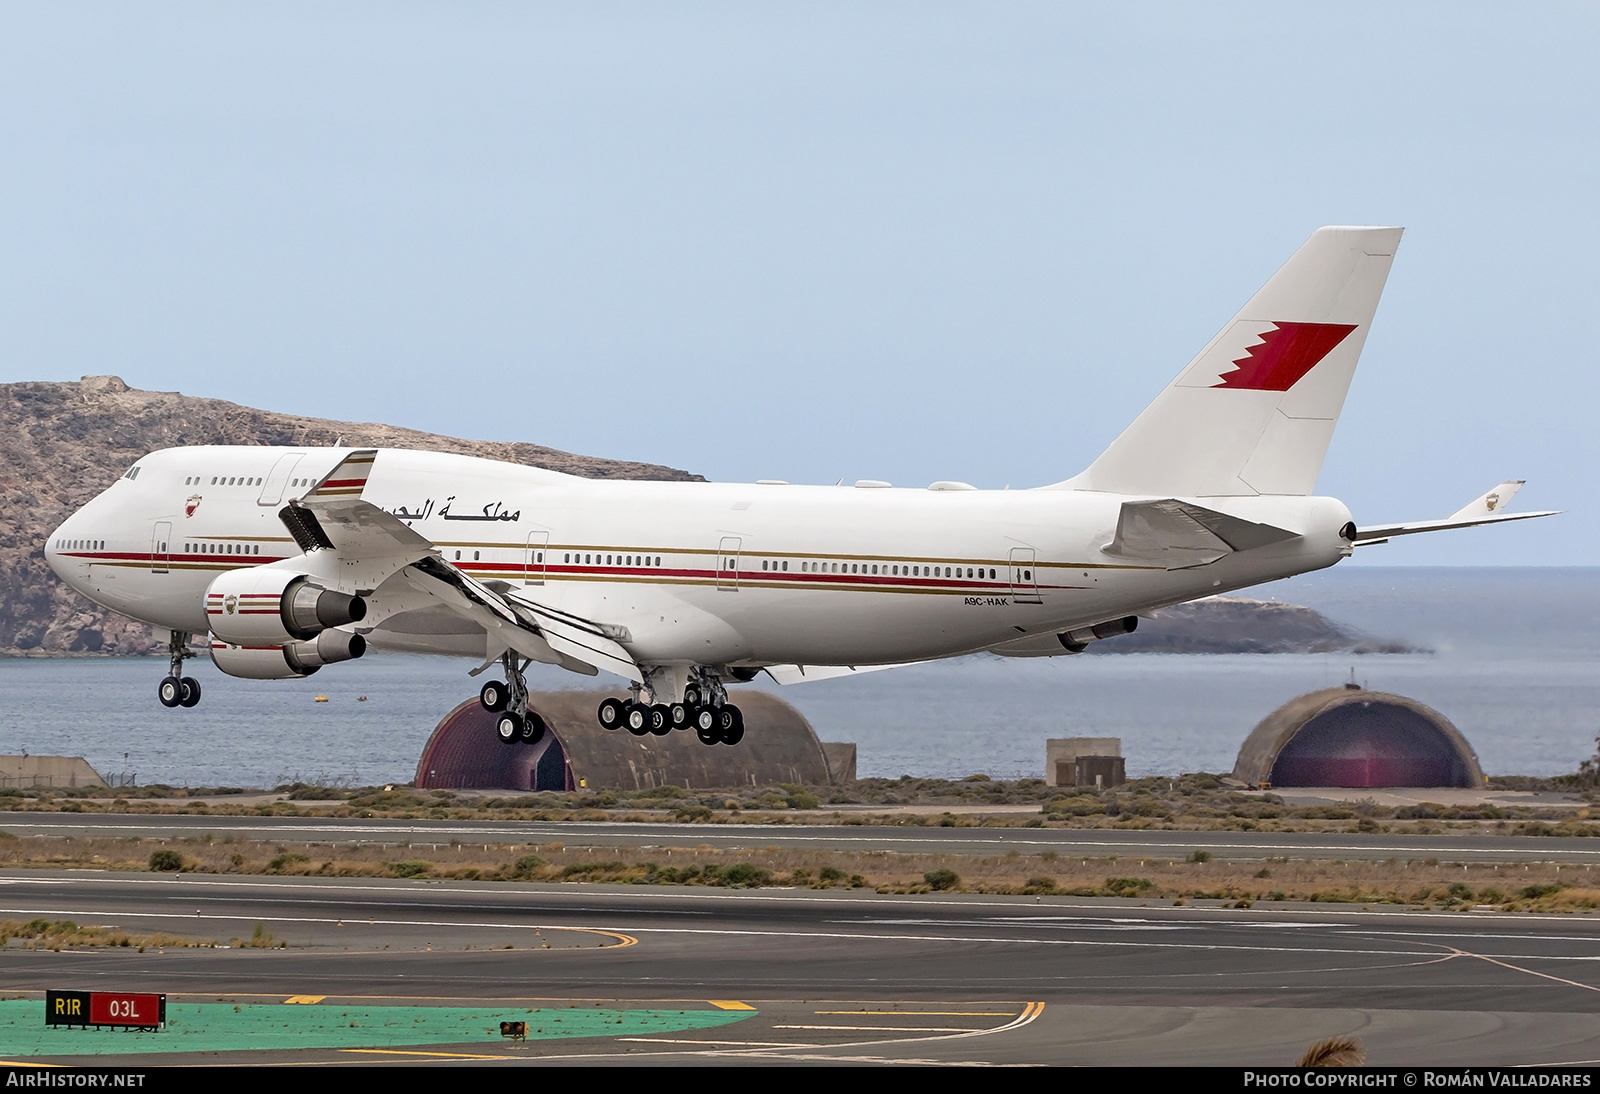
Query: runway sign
(137, 1010)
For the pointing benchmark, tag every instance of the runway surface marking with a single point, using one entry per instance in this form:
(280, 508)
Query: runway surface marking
(221, 1027)
(730, 1004)
(1518, 968)
(305, 999)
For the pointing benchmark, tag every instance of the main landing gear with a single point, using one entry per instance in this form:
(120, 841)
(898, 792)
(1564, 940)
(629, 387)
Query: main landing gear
(178, 690)
(508, 699)
(705, 708)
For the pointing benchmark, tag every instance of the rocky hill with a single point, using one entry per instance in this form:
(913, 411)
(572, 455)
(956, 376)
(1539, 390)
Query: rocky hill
(1236, 624)
(61, 444)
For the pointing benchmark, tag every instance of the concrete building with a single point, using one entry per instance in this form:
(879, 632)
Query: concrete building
(23, 772)
(779, 746)
(1351, 737)
(1084, 761)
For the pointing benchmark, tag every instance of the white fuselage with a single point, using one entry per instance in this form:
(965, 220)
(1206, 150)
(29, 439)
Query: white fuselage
(697, 573)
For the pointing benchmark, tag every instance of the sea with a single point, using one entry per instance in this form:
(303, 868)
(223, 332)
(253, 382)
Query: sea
(1513, 661)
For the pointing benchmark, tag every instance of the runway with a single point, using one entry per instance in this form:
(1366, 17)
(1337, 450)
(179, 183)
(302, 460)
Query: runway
(1084, 842)
(801, 976)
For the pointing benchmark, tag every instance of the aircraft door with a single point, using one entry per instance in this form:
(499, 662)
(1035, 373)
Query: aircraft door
(1024, 577)
(272, 489)
(728, 564)
(533, 558)
(160, 542)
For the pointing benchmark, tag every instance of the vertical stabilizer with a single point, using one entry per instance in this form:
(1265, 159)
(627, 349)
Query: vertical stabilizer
(1253, 413)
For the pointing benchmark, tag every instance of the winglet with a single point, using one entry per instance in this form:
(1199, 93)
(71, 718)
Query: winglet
(347, 480)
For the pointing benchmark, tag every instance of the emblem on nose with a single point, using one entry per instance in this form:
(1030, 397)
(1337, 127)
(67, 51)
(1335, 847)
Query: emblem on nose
(230, 603)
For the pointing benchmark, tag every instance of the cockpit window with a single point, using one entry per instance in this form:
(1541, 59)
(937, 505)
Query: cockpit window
(132, 473)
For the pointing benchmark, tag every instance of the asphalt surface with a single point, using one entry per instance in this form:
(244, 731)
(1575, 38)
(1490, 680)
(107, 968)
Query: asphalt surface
(1088, 843)
(845, 977)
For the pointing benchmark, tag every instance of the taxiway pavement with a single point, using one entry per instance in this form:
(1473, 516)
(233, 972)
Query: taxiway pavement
(844, 977)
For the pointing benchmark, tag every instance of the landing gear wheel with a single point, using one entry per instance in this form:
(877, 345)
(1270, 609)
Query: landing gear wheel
(637, 719)
(170, 691)
(707, 736)
(678, 715)
(692, 696)
(661, 719)
(494, 696)
(532, 729)
(730, 725)
(509, 726)
(191, 691)
(611, 713)
(704, 720)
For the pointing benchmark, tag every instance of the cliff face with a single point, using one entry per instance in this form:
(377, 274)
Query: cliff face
(1236, 624)
(61, 444)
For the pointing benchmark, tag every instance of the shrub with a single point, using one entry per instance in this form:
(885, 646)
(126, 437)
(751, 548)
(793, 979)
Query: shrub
(166, 860)
(525, 866)
(1128, 886)
(1040, 885)
(411, 868)
(1534, 892)
(744, 875)
(1199, 856)
(942, 879)
(287, 859)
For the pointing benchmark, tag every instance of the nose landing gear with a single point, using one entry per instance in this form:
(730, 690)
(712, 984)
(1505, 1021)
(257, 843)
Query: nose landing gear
(178, 690)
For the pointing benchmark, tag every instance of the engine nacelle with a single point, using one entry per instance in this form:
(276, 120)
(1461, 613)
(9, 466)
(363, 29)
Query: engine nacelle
(258, 606)
(1076, 641)
(290, 661)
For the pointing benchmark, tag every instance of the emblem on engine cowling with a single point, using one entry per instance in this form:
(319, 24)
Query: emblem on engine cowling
(191, 505)
(230, 603)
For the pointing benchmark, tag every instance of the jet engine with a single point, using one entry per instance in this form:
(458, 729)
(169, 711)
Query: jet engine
(257, 606)
(1073, 641)
(290, 661)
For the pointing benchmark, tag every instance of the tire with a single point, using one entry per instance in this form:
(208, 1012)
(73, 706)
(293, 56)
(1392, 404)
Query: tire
(660, 720)
(707, 736)
(533, 728)
(637, 719)
(610, 713)
(170, 691)
(731, 725)
(509, 726)
(494, 696)
(704, 720)
(678, 715)
(191, 691)
(691, 696)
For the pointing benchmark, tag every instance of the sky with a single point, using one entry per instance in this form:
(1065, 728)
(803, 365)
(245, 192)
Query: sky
(819, 241)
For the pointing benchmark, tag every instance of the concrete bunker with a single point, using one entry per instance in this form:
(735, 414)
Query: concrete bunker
(779, 746)
(1351, 737)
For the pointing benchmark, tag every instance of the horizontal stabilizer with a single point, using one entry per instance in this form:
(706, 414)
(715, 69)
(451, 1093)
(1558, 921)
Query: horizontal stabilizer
(1486, 509)
(1180, 534)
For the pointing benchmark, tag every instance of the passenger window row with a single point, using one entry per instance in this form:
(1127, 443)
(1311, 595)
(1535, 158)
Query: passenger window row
(895, 569)
(222, 548)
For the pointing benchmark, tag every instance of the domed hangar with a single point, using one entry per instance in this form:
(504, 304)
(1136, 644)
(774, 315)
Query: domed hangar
(1351, 737)
(779, 746)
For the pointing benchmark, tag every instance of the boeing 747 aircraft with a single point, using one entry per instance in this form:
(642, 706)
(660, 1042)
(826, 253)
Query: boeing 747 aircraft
(293, 559)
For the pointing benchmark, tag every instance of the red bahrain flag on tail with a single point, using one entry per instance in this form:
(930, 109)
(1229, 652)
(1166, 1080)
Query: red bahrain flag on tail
(1285, 353)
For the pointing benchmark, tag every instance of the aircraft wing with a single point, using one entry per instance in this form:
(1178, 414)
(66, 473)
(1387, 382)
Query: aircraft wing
(1180, 534)
(1485, 509)
(372, 545)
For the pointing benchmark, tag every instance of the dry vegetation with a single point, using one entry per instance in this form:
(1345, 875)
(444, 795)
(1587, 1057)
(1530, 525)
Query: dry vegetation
(1197, 802)
(64, 934)
(1195, 876)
